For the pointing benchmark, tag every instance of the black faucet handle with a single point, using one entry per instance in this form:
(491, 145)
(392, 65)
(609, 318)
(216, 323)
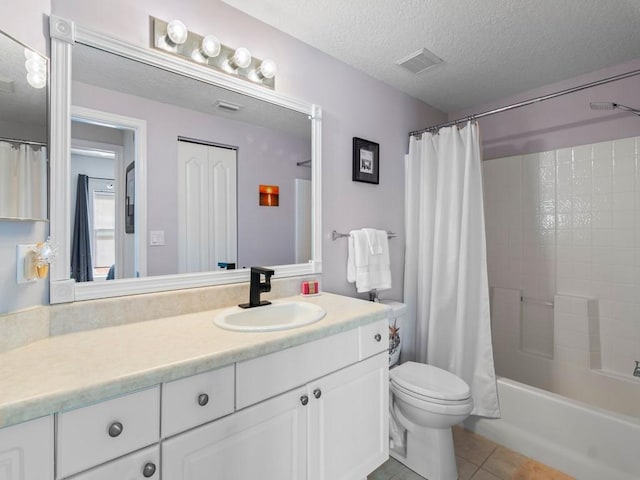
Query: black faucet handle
(267, 272)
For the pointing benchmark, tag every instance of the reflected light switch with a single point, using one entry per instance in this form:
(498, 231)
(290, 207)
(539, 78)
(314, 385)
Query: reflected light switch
(156, 237)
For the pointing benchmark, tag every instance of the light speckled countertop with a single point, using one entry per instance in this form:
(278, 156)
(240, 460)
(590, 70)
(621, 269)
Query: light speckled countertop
(68, 371)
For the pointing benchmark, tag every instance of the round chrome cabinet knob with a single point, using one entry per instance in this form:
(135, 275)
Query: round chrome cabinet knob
(317, 393)
(115, 429)
(148, 470)
(203, 399)
(304, 399)
(378, 337)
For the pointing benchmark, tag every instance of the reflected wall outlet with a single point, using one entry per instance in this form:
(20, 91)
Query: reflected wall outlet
(156, 238)
(24, 267)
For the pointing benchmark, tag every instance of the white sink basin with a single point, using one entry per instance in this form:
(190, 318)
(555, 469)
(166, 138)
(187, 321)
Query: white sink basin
(277, 316)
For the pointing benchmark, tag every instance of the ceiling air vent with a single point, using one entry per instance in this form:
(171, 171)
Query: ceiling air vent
(419, 61)
(228, 106)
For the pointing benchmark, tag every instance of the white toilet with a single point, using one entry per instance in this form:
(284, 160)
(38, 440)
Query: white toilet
(425, 402)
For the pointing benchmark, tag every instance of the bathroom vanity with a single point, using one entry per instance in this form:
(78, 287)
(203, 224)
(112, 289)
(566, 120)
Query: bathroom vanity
(179, 398)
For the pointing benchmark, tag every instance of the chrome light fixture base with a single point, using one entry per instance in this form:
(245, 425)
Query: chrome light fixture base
(192, 50)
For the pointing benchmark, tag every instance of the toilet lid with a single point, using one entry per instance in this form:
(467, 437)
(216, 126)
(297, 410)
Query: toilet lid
(430, 381)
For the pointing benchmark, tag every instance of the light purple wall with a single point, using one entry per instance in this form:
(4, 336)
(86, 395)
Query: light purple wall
(25, 23)
(264, 156)
(562, 122)
(353, 103)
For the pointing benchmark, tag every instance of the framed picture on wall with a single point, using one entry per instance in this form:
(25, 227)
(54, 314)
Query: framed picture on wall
(366, 161)
(130, 199)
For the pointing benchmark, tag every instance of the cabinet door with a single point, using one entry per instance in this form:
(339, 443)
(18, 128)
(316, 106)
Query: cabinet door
(349, 421)
(26, 450)
(142, 465)
(267, 441)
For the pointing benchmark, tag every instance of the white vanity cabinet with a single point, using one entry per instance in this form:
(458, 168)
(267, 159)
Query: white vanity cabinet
(26, 450)
(329, 427)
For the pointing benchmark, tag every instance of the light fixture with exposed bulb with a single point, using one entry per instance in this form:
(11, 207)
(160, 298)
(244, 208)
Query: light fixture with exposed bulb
(36, 67)
(267, 69)
(241, 58)
(177, 32)
(209, 52)
(210, 46)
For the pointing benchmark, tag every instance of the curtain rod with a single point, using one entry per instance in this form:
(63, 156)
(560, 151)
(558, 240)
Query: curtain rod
(527, 102)
(26, 142)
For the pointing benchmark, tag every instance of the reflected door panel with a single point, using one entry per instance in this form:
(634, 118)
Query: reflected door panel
(207, 211)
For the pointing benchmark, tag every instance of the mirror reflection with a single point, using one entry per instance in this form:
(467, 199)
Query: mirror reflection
(23, 132)
(208, 152)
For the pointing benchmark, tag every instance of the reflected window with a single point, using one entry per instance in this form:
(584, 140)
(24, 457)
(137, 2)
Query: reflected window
(103, 232)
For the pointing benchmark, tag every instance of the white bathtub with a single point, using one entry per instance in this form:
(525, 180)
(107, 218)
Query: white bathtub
(583, 441)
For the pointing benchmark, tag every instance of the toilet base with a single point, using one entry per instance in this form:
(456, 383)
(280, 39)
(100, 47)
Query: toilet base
(430, 453)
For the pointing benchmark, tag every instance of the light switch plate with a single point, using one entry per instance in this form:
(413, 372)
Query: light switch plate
(156, 238)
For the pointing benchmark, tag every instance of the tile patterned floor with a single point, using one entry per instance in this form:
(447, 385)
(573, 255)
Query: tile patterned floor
(478, 459)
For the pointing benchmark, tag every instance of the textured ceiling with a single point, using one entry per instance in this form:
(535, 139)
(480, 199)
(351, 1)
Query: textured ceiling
(491, 48)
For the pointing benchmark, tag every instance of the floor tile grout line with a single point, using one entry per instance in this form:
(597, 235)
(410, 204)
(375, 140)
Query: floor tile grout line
(489, 456)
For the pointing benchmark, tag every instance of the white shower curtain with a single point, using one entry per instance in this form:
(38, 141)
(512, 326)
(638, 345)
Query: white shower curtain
(23, 181)
(445, 277)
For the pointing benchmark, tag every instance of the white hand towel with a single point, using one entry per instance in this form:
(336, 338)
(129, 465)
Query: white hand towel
(351, 261)
(360, 248)
(368, 271)
(373, 240)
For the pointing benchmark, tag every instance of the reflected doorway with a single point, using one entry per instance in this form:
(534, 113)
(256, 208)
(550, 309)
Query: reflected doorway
(103, 147)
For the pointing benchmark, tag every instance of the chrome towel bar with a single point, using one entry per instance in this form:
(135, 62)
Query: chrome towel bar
(335, 235)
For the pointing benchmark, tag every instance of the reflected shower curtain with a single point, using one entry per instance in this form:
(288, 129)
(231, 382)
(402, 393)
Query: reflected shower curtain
(23, 180)
(81, 268)
(445, 278)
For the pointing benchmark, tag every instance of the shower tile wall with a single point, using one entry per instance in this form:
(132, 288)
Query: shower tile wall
(567, 222)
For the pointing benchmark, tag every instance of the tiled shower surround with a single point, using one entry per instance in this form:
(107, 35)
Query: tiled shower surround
(567, 223)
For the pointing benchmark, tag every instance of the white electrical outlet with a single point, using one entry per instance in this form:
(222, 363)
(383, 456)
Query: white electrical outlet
(23, 270)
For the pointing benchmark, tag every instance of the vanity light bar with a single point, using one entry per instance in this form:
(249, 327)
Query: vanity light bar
(207, 50)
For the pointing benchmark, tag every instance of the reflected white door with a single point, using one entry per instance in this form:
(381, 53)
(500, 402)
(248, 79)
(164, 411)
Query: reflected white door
(207, 212)
(303, 220)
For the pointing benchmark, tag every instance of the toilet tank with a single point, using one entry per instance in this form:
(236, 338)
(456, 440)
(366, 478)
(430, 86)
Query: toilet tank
(396, 314)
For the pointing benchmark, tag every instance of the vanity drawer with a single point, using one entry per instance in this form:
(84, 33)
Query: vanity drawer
(267, 376)
(142, 465)
(374, 338)
(92, 435)
(195, 400)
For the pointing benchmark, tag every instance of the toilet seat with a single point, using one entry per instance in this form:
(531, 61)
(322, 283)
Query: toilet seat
(429, 383)
(423, 404)
(398, 388)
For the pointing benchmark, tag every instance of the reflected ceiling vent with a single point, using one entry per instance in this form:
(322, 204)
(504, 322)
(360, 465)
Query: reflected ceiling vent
(227, 106)
(419, 61)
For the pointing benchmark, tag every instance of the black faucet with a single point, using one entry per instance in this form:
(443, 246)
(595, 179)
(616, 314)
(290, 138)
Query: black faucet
(257, 287)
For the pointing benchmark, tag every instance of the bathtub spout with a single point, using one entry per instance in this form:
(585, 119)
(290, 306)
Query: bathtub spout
(636, 371)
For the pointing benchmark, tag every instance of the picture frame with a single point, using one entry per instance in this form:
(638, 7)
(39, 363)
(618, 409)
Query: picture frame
(366, 161)
(130, 199)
